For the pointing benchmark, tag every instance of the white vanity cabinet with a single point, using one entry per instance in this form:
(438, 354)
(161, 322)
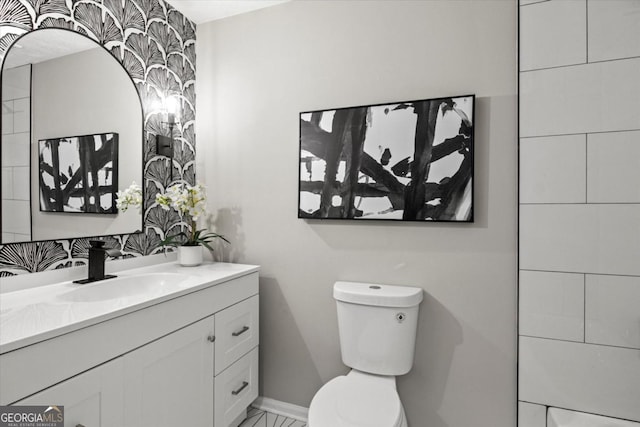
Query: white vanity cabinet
(186, 361)
(169, 382)
(91, 399)
(236, 361)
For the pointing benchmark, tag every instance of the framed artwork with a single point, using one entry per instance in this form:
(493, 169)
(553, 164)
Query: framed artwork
(79, 173)
(406, 161)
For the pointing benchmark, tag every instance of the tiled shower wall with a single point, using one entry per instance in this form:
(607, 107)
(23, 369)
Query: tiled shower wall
(579, 208)
(16, 122)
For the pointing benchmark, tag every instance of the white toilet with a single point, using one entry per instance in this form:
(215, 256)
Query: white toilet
(377, 325)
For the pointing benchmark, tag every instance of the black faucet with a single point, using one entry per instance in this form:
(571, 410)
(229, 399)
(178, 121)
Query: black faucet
(97, 256)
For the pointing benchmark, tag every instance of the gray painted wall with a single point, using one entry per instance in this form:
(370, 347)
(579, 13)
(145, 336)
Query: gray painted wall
(256, 72)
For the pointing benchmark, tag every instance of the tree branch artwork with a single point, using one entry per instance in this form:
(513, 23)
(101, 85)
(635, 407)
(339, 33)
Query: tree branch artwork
(79, 174)
(409, 161)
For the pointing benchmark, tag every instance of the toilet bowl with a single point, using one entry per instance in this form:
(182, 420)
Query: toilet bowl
(357, 399)
(377, 326)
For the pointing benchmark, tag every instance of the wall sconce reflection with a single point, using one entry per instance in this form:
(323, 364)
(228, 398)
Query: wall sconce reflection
(170, 111)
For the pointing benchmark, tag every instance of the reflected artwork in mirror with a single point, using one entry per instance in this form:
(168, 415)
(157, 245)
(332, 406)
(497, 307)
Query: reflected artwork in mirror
(79, 173)
(56, 84)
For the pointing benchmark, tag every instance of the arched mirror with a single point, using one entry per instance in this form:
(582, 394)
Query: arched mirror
(72, 135)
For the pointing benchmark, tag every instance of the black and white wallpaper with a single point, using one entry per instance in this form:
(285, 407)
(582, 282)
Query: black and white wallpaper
(156, 45)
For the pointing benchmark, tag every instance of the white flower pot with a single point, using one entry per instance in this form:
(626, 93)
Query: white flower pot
(190, 256)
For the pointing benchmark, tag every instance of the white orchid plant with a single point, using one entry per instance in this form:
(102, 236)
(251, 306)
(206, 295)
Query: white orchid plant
(190, 203)
(132, 196)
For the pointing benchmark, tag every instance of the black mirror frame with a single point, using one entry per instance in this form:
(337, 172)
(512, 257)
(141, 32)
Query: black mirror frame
(155, 43)
(2, 59)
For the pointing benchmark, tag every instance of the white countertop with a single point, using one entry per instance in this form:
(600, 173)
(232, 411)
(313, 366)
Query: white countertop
(32, 315)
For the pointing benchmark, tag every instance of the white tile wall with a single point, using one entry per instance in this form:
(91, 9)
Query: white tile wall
(589, 98)
(15, 153)
(17, 237)
(613, 167)
(16, 82)
(13, 218)
(613, 310)
(562, 38)
(7, 183)
(601, 239)
(21, 183)
(552, 169)
(583, 377)
(562, 418)
(526, 2)
(7, 117)
(531, 415)
(21, 115)
(559, 231)
(614, 26)
(552, 305)
(15, 149)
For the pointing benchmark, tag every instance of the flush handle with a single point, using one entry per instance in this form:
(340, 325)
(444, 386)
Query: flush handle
(211, 338)
(242, 387)
(240, 332)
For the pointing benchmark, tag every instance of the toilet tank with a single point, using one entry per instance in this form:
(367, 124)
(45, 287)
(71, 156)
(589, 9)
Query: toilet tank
(377, 325)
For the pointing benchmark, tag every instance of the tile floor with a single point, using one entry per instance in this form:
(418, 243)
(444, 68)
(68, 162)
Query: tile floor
(260, 418)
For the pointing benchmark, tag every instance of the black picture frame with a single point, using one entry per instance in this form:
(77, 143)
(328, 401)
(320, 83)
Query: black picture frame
(79, 174)
(358, 163)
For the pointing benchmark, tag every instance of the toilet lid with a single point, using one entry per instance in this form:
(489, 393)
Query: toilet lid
(355, 402)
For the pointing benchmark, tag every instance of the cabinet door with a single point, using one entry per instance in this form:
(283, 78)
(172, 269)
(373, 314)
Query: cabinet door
(169, 382)
(91, 399)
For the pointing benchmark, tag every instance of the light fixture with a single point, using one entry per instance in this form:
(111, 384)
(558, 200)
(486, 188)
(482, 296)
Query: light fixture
(170, 109)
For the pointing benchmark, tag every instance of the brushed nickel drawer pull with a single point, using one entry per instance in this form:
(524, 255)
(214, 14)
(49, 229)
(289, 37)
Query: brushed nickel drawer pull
(211, 338)
(242, 387)
(240, 332)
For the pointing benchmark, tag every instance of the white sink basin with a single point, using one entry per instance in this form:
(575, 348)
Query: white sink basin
(125, 287)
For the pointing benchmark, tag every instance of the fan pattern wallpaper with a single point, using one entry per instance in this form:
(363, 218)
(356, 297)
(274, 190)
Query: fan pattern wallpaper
(156, 45)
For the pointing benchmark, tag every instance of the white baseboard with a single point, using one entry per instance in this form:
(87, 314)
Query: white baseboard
(296, 412)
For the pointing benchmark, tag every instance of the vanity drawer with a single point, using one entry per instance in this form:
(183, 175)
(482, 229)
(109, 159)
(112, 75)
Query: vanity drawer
(235, 389)
(236, 332)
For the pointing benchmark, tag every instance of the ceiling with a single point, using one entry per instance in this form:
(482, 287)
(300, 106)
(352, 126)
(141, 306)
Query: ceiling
(38, 46)
(200, 11)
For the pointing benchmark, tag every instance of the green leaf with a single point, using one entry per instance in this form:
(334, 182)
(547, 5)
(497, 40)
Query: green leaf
(206, 245)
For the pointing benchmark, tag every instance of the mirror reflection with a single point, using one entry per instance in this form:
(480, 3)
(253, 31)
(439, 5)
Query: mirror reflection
(72, 130)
